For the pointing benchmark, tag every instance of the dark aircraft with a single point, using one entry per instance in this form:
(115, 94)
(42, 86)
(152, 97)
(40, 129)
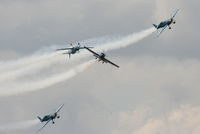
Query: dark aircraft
(50, 117)
(165, 24)
(101, 57)
(72, 49)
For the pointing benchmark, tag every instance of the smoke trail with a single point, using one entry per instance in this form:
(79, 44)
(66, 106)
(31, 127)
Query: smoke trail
(127, 41)
(28, 86)
(11, 74)
(26, 61)
(19, 126)
(15, 69)
(107, 44)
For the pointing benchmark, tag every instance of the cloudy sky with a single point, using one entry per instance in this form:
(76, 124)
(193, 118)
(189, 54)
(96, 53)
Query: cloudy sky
(155, 91)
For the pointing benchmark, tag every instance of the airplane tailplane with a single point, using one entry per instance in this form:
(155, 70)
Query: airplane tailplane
(155, 25)
(39, 118)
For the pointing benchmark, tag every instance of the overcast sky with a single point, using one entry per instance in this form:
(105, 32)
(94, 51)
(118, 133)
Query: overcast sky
(156, 89)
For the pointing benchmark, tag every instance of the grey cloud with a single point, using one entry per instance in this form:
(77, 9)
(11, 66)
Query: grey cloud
(184, 120)
(159, 73)
(94, 99)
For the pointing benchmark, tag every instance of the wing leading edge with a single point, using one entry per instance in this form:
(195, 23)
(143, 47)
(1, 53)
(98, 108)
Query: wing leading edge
(59, 108)
(95, 54)
(175, 13)
(106, 60)
(63, 49)
(44, 125)
(161, 31)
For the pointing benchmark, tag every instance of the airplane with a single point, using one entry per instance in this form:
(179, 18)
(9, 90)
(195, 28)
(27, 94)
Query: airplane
(50, 117)
(73, 49)
(101, 57)
(167, 23)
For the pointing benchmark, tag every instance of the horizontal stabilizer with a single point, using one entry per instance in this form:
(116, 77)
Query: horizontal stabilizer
(155, 25)
(39, 118)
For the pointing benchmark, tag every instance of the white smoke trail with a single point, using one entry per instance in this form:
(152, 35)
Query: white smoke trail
(19, 125)
(26, 61)
(107, 44)
(12, 74)
(30, 65)
(13, 70)
(127, 41)
(28, 86)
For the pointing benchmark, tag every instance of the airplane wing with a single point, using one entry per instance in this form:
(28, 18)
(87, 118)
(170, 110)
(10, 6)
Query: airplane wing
(63, 49)
(107, 61)
(81, 47)
(85, 47)
(175, 13)
(161, 31)
(60, 108)
(44, 125)
(66, 53)
(95, 54)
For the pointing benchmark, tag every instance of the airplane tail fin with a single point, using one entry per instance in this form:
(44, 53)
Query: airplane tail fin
(155, 26)
(39, 118)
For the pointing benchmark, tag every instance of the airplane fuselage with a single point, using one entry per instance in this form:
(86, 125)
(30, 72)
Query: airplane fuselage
(164, 23)
(49, 117)
(74, 50)
(101, 57)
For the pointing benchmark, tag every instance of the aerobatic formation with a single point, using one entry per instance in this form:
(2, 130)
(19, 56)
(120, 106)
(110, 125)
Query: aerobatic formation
(73, 50)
